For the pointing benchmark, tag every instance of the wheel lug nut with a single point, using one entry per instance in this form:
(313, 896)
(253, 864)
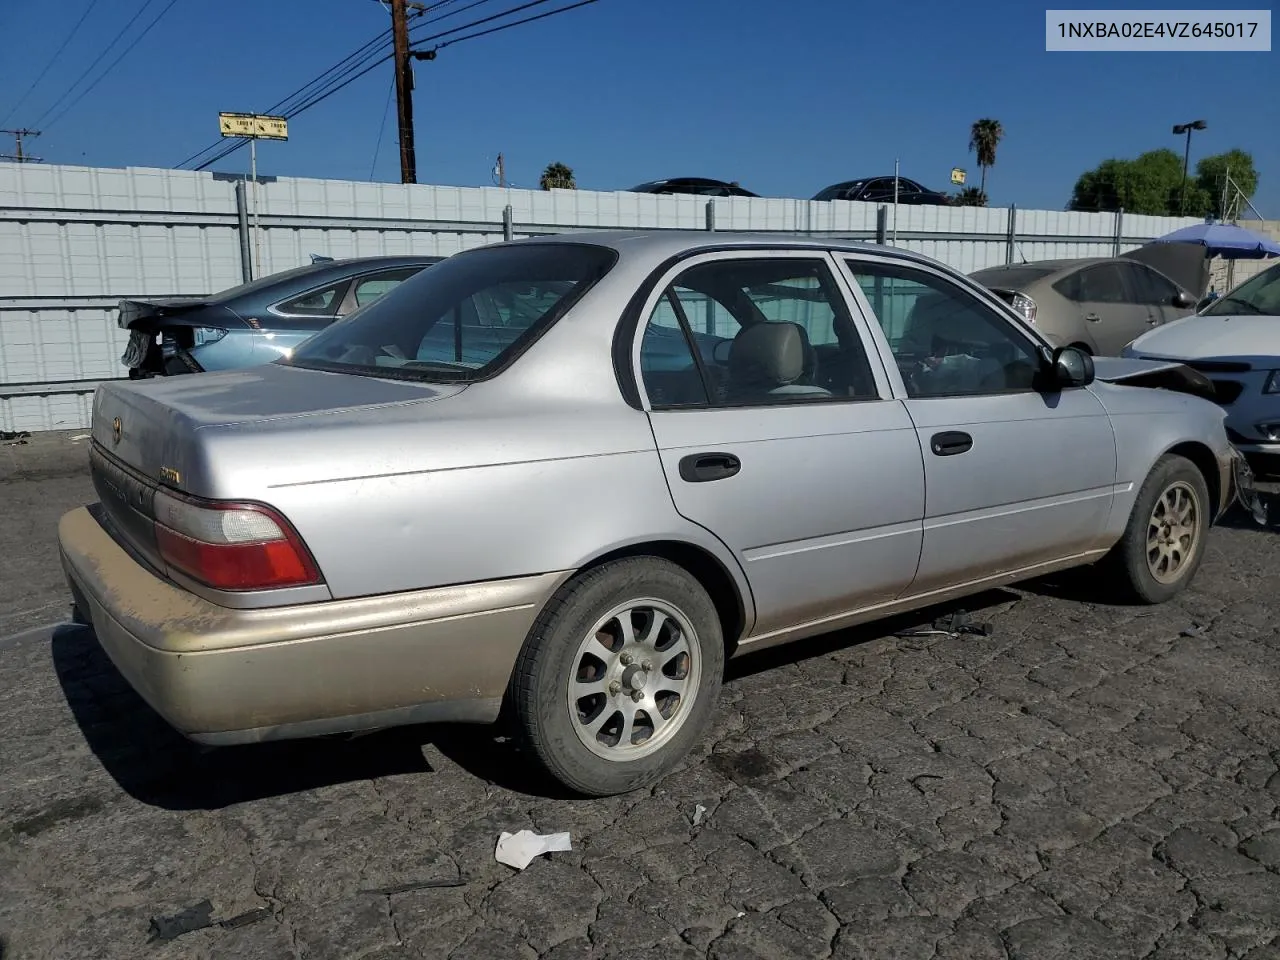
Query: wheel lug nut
(615, 686)
(626, 659)
(646, 666)
(637, 695)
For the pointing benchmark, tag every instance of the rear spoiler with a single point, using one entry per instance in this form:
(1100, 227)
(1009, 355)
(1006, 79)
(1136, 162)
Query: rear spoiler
(132, 312)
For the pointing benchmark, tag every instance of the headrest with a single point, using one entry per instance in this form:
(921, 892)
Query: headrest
(767, 354)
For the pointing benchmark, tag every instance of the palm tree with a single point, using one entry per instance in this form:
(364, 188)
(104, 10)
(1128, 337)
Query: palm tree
(984, 136)
(970, 197)
(557, 176)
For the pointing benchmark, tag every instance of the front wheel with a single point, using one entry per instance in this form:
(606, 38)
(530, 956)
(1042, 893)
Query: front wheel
(1163, 543)
(618, 676)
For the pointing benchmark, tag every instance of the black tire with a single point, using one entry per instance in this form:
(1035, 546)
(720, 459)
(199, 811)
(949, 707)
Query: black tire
(539, 694)
(1128, 560)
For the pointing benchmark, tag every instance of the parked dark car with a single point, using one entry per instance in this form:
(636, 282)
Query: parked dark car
(698, 186)
(880, 190)
(255, 322)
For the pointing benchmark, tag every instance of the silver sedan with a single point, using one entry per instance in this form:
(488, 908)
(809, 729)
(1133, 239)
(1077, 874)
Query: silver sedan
(564, 479)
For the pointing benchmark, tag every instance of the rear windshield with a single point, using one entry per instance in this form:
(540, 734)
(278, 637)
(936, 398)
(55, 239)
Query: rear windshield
(464, 319)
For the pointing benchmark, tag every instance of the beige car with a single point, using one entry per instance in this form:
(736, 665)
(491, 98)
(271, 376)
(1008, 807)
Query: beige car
(1098, 304)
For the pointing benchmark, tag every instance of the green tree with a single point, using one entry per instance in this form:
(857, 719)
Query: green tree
(984, 136)
(1149, 184)
(969, 197)
(557, 176)
(1211, 174)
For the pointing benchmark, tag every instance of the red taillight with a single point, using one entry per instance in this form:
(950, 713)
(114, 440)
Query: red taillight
(231, 546)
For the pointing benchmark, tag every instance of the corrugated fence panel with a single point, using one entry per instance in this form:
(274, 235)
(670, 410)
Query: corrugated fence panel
(74, 240)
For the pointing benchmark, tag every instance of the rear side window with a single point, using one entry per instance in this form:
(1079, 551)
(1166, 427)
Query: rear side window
(463, 319)
(315, 303)
(369, 289)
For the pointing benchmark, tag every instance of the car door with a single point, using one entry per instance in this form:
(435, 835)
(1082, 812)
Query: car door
(1155, 292)
(1015, 478)
(1106, 306)
(806, 468)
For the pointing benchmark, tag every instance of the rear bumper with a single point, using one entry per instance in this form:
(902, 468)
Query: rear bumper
(224, 676)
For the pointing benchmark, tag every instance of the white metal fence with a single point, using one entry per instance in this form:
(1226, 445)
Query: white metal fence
(75, 240)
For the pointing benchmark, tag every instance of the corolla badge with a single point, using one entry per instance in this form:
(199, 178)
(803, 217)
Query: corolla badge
(116, 427)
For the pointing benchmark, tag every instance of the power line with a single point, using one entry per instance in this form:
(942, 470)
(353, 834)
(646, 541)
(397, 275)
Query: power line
(320, 97)
(488, 19)
(382, 128)
(515, 23)
(326, 78)
(97, 60)
(36, 82)
(123, 53)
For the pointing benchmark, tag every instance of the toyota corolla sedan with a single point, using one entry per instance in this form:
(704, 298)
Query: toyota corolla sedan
(563, 479)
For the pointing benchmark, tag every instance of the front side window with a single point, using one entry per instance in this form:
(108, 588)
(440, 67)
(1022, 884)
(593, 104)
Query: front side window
(765, 331)
(1148, 286)
(1258, 296)
(1101, 284)
(464, 318)
(946, 342)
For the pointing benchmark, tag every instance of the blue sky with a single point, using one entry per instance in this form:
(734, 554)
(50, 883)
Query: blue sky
(784, 97)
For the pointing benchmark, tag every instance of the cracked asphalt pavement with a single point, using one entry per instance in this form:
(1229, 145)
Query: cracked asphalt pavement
(1090, 781)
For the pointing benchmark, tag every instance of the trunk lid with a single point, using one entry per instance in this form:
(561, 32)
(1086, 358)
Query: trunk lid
(151, 426)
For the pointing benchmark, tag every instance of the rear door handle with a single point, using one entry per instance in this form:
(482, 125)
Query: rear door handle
(950, 442)
(1092, 317)
(704, 467)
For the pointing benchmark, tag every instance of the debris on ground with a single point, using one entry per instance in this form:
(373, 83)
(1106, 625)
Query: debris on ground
(80, 436)
(417, 885)
(699, 813)
(952, 625)
(184, 921)
(1195, 630)
(519, 849)
(200, 917)
(12, 438)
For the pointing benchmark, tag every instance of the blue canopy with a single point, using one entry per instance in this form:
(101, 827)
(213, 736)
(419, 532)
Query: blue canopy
(1224, 240)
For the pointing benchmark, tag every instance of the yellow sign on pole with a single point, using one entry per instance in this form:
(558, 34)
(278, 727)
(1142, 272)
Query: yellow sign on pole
(254, 125)
(957, 175)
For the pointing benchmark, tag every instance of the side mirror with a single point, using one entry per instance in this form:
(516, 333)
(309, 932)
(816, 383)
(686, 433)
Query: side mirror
(1072, 367)
(1183, 300)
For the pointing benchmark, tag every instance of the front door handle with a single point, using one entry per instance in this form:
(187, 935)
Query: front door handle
(1092, 317)
(704, 467)
(950, 442)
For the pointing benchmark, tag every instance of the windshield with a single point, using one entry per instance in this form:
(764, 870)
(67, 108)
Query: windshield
(1259, 296)
(464, 319)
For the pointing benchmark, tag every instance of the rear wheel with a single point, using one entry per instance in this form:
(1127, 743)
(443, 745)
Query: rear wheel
(1163, 543)
(619, 675)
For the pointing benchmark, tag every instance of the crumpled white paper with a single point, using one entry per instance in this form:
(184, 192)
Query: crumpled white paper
(518, 849)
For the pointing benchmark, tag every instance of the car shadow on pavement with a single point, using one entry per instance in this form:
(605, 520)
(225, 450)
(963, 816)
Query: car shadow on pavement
(156, 765)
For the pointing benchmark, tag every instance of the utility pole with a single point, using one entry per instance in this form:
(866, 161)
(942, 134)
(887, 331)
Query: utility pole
(1178, 130)
(19, 156)
(404, 91)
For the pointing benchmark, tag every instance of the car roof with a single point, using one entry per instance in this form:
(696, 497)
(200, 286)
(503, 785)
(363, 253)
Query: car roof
(1046, 267)
(318, 273)
(662, 244)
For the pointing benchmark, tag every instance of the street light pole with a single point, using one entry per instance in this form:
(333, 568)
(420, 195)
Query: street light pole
(1178, 130)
